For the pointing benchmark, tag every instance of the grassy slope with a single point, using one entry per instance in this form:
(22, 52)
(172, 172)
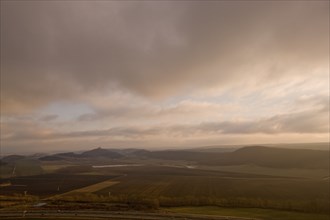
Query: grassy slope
(267, 214)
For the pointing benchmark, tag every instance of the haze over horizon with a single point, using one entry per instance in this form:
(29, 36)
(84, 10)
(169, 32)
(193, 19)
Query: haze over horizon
(152, 74)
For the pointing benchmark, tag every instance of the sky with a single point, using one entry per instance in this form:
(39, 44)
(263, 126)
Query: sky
(162, 74)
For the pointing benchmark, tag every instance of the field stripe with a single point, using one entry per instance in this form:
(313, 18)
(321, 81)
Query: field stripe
(92, 188)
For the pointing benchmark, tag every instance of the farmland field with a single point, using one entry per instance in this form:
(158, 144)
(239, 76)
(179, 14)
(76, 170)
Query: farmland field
(140, 183)
(253, 169)
(24, 167)
(49, 184)
(217, 186)
(197, 187)
(93, 188)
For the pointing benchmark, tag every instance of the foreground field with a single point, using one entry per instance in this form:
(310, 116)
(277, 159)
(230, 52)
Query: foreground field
(161, 186)
(182, 213)
(267, 214)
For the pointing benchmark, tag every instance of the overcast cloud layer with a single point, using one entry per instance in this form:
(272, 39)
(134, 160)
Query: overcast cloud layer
(157, 74)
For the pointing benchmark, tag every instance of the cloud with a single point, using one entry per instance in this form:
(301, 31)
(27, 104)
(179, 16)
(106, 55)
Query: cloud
(183, 111)
(306, 122)
(303, 122)
(163, 73)
(47, 118)
(62, 50)
(33, 135)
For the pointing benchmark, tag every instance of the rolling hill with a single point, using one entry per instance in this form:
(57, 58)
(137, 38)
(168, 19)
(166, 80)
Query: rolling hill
(250, 155)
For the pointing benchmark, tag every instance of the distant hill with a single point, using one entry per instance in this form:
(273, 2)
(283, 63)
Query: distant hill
(60, 156)
(311, 146)
(69, 154)
(100, 152)
(92, 154)
(132, 152)
(180, 155)
(215, 149)
(250, 155)
(51, 158)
